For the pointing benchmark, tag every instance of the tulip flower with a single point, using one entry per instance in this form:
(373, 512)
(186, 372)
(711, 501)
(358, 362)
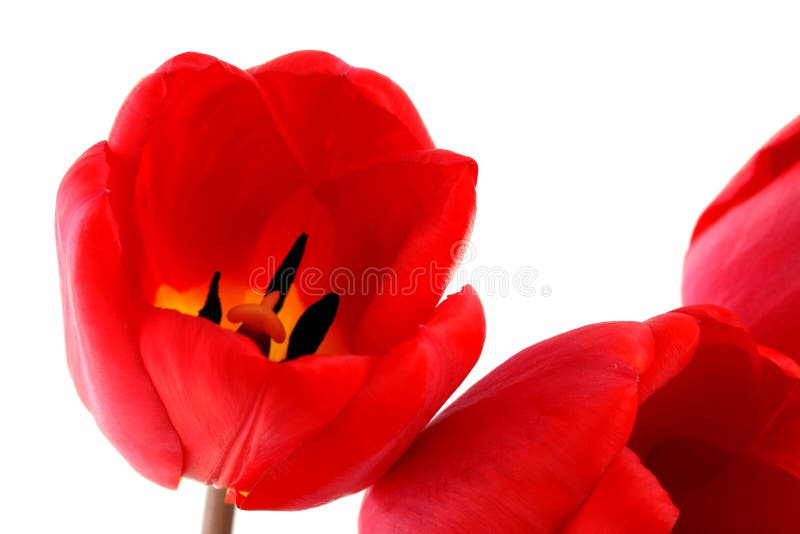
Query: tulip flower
(681, 421)
(247, 270)
(745, 251)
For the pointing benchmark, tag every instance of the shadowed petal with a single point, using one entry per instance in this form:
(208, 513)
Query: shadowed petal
(720, 491)
(628, 499)
(714, 397)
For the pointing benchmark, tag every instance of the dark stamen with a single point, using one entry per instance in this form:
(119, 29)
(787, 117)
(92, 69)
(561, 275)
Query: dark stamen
(212, 309)
(286, 271)
(312, 326)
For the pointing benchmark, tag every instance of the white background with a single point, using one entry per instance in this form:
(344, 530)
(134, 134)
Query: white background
(601, 129)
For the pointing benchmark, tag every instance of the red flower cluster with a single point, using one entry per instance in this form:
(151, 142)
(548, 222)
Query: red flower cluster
(224, 260)
(308, 173)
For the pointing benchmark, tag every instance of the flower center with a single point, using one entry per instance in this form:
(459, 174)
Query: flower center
(260, 318)
(261, 322)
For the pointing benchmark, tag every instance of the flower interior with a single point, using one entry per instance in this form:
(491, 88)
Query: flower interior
(265, 321)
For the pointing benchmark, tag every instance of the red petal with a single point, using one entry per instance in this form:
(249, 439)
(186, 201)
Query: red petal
(778, 441)
(719, 491)
(521, 450)
(136, 118)
(132, 128)
(236, 412)
(383, 238)
(627, 499)
(402, 218)
(403, 391)
(676, 336)
(101, 352)
(747, 245)
(213, 169)
(714, 397)
(337, 117)
(767, 165)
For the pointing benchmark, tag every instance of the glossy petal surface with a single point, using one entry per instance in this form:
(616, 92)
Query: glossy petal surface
(745, 251)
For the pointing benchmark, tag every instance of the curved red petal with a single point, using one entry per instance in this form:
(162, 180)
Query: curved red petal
(521, 450)
(767, 165)
(213, 169)
(747, 244)
(676, 336)
(129, 134)
(101, 350)
(235, 411)
(628, 499)
(715, 397)
(395, 228)
(404, 390)
(384, 238)
(136, 118)
(303, 400)
(720, 491)
(337, 117)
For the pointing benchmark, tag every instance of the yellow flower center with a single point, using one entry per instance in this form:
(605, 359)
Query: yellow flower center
(263, 318)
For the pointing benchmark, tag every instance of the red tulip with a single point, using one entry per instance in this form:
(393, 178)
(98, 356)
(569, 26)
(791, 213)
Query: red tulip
(304, 178)
(745, 251)
(615, 427)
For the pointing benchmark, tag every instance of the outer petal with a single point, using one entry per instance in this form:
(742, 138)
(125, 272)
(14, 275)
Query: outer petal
(337, 117)
(767, 165)
(129, 134)
(404, 390)
(236, 412)
(746, 247)
(521, 450)
(628, 499)
(101, 351)
(136, 119)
